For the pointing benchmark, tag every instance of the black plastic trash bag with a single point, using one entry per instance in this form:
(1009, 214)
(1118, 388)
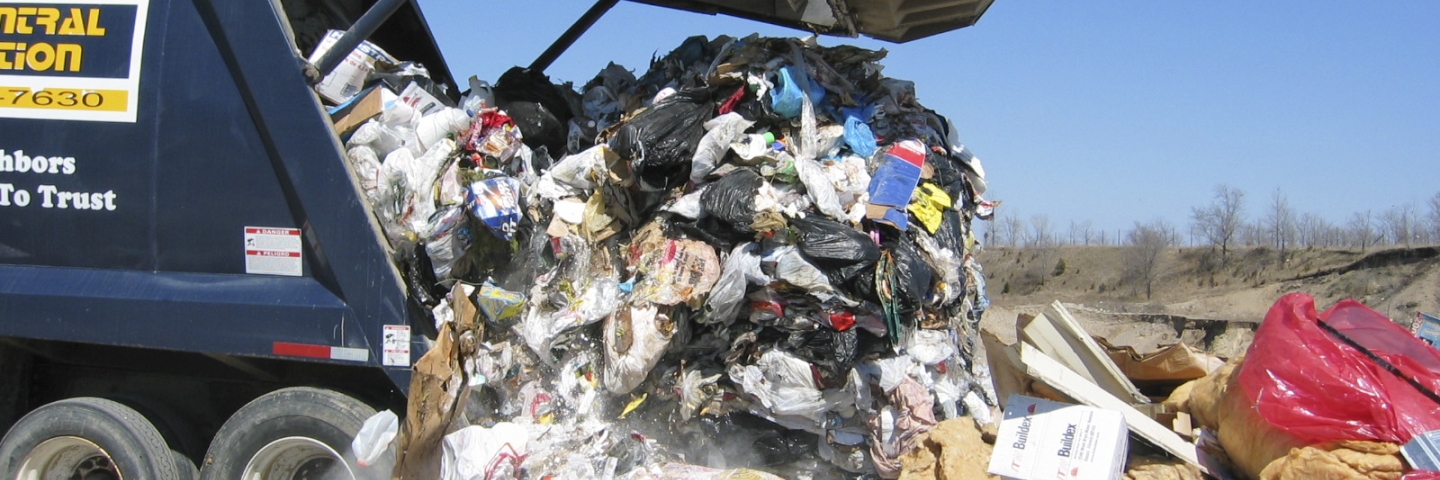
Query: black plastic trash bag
(536, 106)
(731, 200)
(840, 250)
(420, 277)
(832, 353)
(782, 447)
(660, 142)
(913, 273)
(949, 234)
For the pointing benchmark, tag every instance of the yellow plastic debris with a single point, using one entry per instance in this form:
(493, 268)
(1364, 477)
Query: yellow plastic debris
(634, 404)
(929, 206)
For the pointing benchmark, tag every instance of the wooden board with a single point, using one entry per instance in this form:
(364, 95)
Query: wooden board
(1061, 337)
(1047, 370)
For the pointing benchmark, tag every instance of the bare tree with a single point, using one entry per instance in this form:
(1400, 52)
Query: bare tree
(989, 238)
(1041, 235)
(1250, 234)
(1434, 204)
(1312, 230)
(1362, 230)
(1081, 233)
(1010, 230)
(1399, 224)
(1145, 244)
(1279, 222)
(1222, 219)
(1334, 236)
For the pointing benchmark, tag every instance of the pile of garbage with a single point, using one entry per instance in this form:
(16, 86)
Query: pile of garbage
(1339, 393)
(756, 254)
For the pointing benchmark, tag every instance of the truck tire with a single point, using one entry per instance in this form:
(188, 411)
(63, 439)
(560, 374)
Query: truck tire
(81, 437)
(185, 468)
(291, 433)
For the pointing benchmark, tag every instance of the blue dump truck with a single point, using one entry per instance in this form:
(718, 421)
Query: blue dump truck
(191, 283)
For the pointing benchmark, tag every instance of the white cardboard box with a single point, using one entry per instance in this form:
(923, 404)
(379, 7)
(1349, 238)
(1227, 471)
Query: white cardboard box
(1041, 439)
(349, 77)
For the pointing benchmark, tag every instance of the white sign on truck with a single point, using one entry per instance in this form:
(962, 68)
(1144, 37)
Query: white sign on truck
(73, 60)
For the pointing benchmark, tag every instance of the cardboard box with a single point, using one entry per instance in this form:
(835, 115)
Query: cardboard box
(369, 104)
(1041, 439)
(349, 77)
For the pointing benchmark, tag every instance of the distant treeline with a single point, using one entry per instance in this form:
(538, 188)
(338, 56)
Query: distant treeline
(1226, 222)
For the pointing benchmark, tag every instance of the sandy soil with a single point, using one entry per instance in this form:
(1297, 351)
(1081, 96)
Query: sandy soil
(1191, 293)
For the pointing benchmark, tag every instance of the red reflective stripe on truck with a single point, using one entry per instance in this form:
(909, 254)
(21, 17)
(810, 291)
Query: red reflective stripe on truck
(320, 351)
(301, 350)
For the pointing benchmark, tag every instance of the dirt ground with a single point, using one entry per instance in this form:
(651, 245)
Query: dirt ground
(1195, 296)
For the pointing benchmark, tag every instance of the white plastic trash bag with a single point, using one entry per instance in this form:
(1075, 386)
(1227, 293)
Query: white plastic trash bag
(741, 268)
(634, 341)
(479, 453)
(819, 187)
(720, 132)
(375, 437)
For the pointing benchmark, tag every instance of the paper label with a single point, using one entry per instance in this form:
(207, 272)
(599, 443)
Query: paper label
(419, 99)
(273, 251)
(397, 346)
(71, 60)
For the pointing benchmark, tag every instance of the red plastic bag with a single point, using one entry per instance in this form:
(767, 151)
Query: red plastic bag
(1313, 385)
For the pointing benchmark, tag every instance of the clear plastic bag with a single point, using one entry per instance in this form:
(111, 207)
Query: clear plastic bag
(791, 267)
(446, 240)
(741, 269)
(784, 386)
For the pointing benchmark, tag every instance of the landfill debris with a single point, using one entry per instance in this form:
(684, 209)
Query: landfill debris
(1050, 372)
(360, 109)
(1356, 459)
(375, 437)
(1248, 444)
(480, 453)
(439, 388)
(1041, 439)
(1170, 365)
(674, 471)
(1058, 335)
(1360, 370)
(954, 449)
(1423, 451)
(1140, 467)
(706, 266)
(350, 75)
(1395, 376)
(1427, 327)
(1026, 368)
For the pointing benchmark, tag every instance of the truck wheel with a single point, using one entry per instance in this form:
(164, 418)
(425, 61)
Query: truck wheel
(292, 433)
(185, 468)
(86, 438)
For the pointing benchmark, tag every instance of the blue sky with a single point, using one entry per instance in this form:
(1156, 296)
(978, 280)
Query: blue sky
(1107, 111)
